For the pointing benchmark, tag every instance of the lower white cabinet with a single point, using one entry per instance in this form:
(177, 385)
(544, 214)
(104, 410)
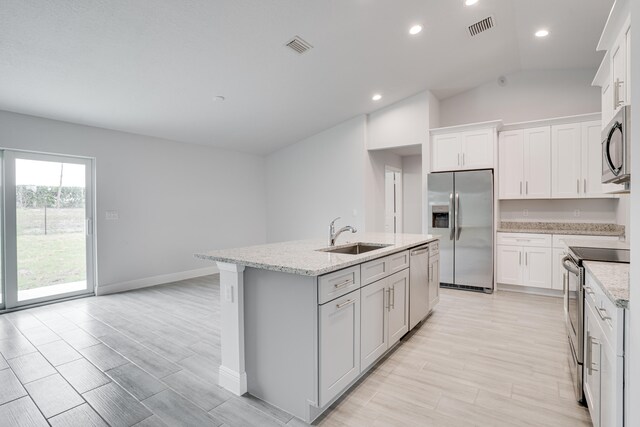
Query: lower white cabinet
(525, 266)
(434, 281)
(385, 316)
(603, 357)
(558, 270)
(339, 336)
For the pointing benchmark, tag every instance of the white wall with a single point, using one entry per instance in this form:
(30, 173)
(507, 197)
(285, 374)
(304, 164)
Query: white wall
(400, 124)
(412, 193)
(634, 202)
(173, 199)
(592, 210)
(315, 180)
(528, 95)
(375, 189)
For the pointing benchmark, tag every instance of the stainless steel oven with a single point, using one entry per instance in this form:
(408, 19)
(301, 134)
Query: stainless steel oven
(616, 148)
(574, 318)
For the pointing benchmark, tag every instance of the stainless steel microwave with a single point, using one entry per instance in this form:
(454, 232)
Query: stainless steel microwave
(616, 148)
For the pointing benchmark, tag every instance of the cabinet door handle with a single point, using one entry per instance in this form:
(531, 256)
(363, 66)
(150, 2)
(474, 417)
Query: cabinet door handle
(346, 303)
(585, 186)
(578, 185)
(521, 188)
(458, 159)
(526, 258)
(588, 355)
(519, 258)
(527, 187)
(387, 293)
(392, 293)
(343, 284)
(462, 159)
(602, 312)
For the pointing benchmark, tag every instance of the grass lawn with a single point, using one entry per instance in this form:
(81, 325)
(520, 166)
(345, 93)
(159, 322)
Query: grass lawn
(55, 258)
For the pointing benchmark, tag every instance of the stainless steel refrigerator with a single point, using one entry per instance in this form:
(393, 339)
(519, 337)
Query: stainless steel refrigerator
(461, 211)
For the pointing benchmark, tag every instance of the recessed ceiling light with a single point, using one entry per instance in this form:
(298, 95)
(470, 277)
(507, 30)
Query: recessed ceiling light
(376, 97)
(542, 33)
(470, 2)
(218, 98)
(415, 29)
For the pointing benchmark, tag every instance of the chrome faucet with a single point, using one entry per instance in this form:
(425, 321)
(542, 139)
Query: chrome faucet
(333, 234)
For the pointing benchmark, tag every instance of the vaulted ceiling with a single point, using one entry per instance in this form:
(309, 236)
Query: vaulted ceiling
(154, 67)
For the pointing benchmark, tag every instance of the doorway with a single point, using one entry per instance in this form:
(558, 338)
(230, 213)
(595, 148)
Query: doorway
(47, 238)
(392, 199)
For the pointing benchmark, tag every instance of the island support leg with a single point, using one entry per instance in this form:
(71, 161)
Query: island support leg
(232, 375)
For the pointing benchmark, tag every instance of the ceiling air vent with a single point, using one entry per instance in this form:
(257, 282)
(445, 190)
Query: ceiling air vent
(298, 45)
(481, 26)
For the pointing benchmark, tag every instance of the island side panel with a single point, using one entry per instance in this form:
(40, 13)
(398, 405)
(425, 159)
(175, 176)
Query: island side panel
(281, 314)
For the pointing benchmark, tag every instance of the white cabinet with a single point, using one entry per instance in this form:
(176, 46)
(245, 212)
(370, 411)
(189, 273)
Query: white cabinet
(374, 314)
(592, 160)
(537, 267)
(592, 347)
(525, 163)
(385, 315)
(445, 152)
(566, 160)
(398, 306)
(465, 150)
(339, 340)
(576, 161)
(558, 270)
(509, 265)
(434, 281)
(604, 356)
(477, 149)
(524, 260)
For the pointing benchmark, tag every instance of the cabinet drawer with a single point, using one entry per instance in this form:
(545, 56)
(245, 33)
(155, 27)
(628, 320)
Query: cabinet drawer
(383, 267)
(434, 248)
(398, 261)
(610, 317)
(524, 239)
(558, 239)
(338, 283)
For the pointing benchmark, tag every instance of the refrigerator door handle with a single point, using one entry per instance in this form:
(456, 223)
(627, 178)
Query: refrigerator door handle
(457, 225)
(453, 226)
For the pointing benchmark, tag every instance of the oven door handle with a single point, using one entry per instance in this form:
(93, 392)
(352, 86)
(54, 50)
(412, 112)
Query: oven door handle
(570, 265)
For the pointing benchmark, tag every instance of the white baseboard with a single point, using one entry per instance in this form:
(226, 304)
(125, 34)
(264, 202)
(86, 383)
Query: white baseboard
(155, 280)
(235, 382)
(531, 290)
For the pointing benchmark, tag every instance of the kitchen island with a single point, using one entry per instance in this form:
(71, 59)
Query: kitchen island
(300, 323)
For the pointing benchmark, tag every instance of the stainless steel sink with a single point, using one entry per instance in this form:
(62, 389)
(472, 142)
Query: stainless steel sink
(354, 248)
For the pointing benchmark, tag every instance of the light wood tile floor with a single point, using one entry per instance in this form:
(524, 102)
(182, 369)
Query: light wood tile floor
(150, 357)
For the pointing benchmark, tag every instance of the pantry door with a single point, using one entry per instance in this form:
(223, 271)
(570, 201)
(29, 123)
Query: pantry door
(48, 235)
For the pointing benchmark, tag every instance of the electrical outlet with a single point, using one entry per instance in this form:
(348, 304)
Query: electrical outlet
(576, 213)
(112, 216)
(525, 212)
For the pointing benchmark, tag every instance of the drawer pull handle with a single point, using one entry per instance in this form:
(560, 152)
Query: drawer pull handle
(603, 314)
(343, 284)
(346, 303)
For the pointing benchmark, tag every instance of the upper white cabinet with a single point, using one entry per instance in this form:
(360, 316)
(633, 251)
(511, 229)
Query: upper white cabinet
(566, 160)
(576, 161)
(614, 74)
(524, 163)
(462, 148)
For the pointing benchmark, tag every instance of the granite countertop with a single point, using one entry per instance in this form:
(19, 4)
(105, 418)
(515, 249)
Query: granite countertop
(302, 256)
(577, 228)
(613, 278)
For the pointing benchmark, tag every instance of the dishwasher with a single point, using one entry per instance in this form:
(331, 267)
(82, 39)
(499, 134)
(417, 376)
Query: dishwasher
(418, 285)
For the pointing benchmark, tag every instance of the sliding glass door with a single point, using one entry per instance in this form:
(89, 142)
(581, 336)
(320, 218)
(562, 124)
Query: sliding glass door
(48, 231)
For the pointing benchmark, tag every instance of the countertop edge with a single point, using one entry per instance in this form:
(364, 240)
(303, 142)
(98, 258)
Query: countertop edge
(560, 232)
(318, 272)
(619, 302)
